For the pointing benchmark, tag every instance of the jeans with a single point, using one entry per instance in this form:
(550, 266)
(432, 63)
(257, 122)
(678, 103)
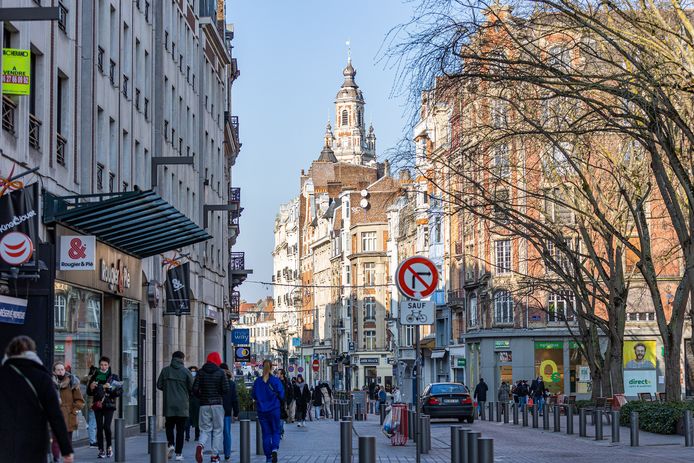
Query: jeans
(55, 448)
(212, 427)
(179, 423)
(270, 425)
(522, 400)
(91, 426)
(103, 427)
(316, 411)
(327, 410)
(227, 436)
(481, 410)
(540, 402)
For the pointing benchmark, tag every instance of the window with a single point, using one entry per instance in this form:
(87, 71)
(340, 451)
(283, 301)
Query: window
(472, 311)
(125, 85)
(556, 257)
(345, 117)
(502, 162)
(99, 177)
(346, 209)
(369, 308)
(112, 72)
(500, 114)
(409, 340)
(503, 307)
(502, 250)
(560, 306)
(641, 316)
(501, 204)
(348, 274)
(125, 186)
(369, 274)
(137, 98)
(370, 339)
(368, 241)
(348, 307)
(111, 182)
(147, 11)
(146, 108)
(8, 114)
(556, 210)
(437, 230)
(166, 40)
(59, 312)
(100, 60)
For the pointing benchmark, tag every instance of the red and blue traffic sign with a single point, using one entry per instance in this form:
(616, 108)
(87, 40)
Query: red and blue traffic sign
(417, 277)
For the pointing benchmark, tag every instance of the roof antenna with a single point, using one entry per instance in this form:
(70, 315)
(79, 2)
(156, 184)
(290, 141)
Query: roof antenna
(349, 52)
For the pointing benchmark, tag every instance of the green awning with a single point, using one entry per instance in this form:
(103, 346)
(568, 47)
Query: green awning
(139, 223)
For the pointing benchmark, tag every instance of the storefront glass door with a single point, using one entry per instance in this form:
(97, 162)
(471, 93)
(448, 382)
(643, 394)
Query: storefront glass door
(130, 360)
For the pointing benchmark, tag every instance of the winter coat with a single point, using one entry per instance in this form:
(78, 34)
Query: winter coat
(26, 414)
(382, 396)
(327, 393)
(288, 391)
(538, 389)
(317, 397)
(231, 400)
(481, 392)
(302, 395)
(107, 395)
(210, 385)
(267, 395)
(71, 399)
(504, 394)
(176, 382)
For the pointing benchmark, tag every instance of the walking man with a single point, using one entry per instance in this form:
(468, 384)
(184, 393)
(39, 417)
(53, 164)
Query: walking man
(176, 382)
(210, 386)
(481, 394)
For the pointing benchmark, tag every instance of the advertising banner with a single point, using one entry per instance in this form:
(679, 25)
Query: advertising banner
(19, 228)
(12, 310)
(242, 354)
(178, 290)
(639, 367)
(549, 363)
(16, 71)
(77, 253)
(241, 336)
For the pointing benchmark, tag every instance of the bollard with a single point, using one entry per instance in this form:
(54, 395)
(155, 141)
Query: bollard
(336, 411)
(485, 450)
(382, 412)
(557, 418)
(515, 412)
(483, 414)
(159, 452)
(258, 438)
(472, 447)
(151, 431)
(525, 415)
(345, 441)
(688, 429)
(505, 410)
(119, 444)
(245, 442)
(455, 444)
(598, 425)
(421, 436)
(497, 406)
(462, 438)
(615, 426)
(569, 419)
(367, 449)
(634, 434)
(582, 422)
(410, 424)
(536, 416)
(427, 432)
(545, 418)
(491, 411)
(357, 415)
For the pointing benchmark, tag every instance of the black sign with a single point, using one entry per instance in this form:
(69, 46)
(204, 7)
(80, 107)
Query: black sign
(19, 228)
(242, 354)
(178, 290)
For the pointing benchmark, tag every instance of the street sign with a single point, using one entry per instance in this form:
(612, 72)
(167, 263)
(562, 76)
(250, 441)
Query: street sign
(315, 365)
(351, 346)
(417, 312)
(417, 277)
(241, 336)
(242, 354)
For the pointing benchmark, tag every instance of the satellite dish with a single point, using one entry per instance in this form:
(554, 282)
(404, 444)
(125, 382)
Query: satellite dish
(364, 203)
(364, 193)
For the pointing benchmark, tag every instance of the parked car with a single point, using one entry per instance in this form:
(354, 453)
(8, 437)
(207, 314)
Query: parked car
(448, 400)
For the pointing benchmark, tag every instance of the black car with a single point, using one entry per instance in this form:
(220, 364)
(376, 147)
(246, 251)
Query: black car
(448, 400)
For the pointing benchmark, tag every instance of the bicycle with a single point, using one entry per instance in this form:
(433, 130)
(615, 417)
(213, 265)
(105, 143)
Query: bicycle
(416, 316)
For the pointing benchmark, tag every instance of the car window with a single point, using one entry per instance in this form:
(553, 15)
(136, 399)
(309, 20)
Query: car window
(448, 388)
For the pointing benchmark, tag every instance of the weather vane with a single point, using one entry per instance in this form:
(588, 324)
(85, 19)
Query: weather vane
(349, 51)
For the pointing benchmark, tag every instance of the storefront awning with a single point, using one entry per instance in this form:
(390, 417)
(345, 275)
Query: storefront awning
(438, 354)
(139, 223)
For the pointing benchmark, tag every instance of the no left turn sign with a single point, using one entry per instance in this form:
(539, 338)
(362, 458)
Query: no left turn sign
(417, 277)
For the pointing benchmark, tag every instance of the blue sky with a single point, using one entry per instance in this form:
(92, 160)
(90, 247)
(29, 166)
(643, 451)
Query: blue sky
(291, 55)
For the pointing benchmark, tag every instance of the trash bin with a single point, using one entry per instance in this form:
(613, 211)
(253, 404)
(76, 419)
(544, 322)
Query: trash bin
(399, 416)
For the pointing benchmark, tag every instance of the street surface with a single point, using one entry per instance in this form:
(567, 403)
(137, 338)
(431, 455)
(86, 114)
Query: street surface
(320, 442)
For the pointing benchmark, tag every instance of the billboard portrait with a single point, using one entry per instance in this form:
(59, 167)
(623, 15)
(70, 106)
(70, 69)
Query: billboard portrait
(639, 367)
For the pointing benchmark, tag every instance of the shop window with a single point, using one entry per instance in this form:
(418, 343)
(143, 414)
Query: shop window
(130, 361)
(59, 314)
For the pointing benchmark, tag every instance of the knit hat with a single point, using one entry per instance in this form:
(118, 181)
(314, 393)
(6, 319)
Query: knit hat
(214, 357)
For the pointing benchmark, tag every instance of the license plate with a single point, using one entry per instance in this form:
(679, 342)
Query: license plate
(450, 401)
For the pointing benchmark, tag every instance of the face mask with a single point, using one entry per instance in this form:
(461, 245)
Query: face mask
(194, 373)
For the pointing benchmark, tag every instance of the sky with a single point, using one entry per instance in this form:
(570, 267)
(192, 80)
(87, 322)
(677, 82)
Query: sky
(291, 54)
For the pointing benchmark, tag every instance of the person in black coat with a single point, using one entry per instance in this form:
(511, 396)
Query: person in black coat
(481, 393)
(28, 403)
(317, 397)
(288, 397)
(231, 407)
(538, 391)
(302, 395)
(105, 387)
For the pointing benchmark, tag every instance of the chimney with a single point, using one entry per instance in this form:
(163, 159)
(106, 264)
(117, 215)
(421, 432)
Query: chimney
(386, 168)
(405, 176)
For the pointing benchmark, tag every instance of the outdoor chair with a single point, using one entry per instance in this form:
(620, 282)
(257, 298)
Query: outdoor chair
(645, 397)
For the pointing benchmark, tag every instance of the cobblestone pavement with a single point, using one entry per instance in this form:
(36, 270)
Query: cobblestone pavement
(319, 442)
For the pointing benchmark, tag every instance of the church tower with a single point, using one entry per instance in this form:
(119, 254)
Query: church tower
(352, 143)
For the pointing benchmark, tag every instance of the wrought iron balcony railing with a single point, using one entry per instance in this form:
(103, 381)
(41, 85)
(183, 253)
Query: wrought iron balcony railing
(237, 261)
(34, 132)
(60, 149)
(234, 195)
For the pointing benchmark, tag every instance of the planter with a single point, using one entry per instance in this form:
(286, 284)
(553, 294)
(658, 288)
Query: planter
(248, 416)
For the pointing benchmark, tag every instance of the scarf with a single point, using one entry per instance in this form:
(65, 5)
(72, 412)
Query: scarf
(101, 376)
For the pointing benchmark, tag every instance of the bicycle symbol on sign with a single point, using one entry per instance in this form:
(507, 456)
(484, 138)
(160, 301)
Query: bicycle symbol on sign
(416, 315)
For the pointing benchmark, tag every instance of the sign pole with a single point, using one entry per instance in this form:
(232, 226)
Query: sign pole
(417, 427)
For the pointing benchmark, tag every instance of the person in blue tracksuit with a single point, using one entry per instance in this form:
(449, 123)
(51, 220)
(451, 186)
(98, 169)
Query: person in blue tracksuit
(268, 394)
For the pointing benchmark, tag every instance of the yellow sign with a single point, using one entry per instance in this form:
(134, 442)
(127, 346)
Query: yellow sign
(16, 70)
(639, 355)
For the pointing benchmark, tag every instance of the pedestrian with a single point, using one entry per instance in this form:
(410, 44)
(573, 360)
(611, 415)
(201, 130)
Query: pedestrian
(382, 395)
(522, 390)
(284, 406)
(504, 395)
(193, 409)
(209, 386)
(105, 387)
(91, 418)
(268, 394)
(302, 395)
(481, 394)
(291, 415)
(176, 382)
(538, 392)
(317, 401)
(28, 404)
(71, 402)
(231, 408)
(327, 399)
(397, 395)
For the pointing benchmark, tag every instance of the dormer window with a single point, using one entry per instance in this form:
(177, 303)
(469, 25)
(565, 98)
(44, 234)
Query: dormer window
(345, 117)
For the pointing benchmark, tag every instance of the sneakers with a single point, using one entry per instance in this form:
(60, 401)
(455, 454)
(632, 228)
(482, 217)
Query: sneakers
(171, 452)
(298, 425)
(214, 459)
(101, 454)
(93, 445)
(198, 453)
(274, 456)
(179, 457)
(109, 452)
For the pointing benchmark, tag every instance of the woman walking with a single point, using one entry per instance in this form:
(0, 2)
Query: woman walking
(193, 410)
(302, 396)
(71, 402)
(317, 396)
(268, 394)
(284, 406)
(105, 387)
(231, 408)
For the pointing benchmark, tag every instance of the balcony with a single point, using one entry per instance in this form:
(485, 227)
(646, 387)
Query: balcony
(237, 268)
(234, 195)
(34, 132)
(8, 114)
(234, 304)
(234, 225)
(456, 297)
(60, 149)
(231, 136)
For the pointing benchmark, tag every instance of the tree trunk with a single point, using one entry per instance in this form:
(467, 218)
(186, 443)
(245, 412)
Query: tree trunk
(673, 370)
(615, 361)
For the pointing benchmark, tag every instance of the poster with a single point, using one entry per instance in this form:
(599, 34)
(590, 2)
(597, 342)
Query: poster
(19, 228)
(549, 363)
(16, 71)
(178, 290)
(639, 367)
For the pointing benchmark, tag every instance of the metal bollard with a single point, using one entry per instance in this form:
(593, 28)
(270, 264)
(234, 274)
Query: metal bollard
(634, 417)
(119, 444)
(336, 411)
(462, 437)
(688, 429)
(615, 426)
(245, 442)
(490, 406)
(472, 447)
(569, 419)
(515, 413)
(421, 436)
(382, 412)
(159, 452)
(598, 425)
(483, 413)
(545, 418)
(582, 422)
(497, 406)
(455, 444)
(485, 450)
(410, 424)
(427, 432)
(345, 441)
(525, 415)
(151, 432)
(367, 449)
(557, 418)
(258, 438)
(536, 416)
(505, 410)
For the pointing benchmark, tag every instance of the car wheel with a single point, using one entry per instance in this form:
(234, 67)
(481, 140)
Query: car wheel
(471, 419)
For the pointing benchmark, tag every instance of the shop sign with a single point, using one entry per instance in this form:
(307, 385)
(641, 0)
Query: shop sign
(584, 374)
(178, 290)
(19, 228)
(296, 342)
(77, 253)
(461, 362)
(506, 356)
(153, 294)
(502, 344)
(116, 276)
(549, 345)
(242, 354)
(16, 71)
(369, 361)
(639, 367)
(240, 336)
(12, 310)
(636, 381)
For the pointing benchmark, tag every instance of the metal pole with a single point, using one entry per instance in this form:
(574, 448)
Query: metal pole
(634, 431)
(545, 418)
(119, 447)
(498, 411)
(258, 438)
(416, 397)
(615, 426)
(472, 448)
(245, 442)
(421, 441)
(598, 425)
(557, 418)
(483, 412)
(159, 452)
(688, 432)
(462, 438)
(410, 424)
(382, 412)
(367, 449)
(491, 410)
(485, 450)
(536, 416)
(151, 431)
(455, 444)
(505, 407)
(427, 432)
(569, 419)
(336, 411)
(582, 422)
(345, 441)
(515, 412)
(525, 415)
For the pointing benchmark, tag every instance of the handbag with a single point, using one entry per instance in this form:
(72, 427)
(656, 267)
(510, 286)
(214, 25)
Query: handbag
(98, 405)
